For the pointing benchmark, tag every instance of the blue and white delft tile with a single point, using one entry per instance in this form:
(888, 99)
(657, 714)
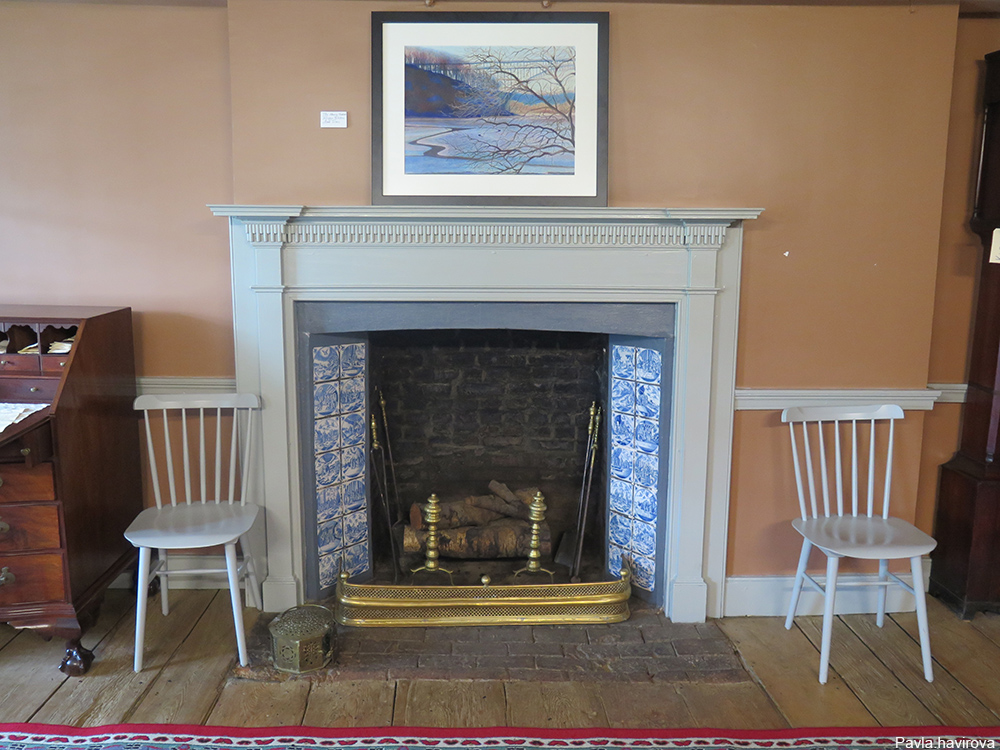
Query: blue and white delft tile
(330, 536)
(619, 530)
(647, 435)
(326, 363)
(623, 396)
(615, 560)
(647, 469)
(327, 468)
(643, 539)
(621, 497)
(647, 400)
(355, 527)
(648, 366)
(623, 362)
(352, 431)
(329, 568)
(326, 399)
(356, 559)
(327, 434)
(328, 502)
(352, 360)
(353, 462)
(353, 493)
(352, 395)
(644, 504)
(644, 573)
(622, 462)
(622, 429)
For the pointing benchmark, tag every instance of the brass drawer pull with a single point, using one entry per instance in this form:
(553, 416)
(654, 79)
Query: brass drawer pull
(25, 451)
(6, 577)
(4, 526)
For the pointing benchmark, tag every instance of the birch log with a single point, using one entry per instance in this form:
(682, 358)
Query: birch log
(454, 513)
(504, 538)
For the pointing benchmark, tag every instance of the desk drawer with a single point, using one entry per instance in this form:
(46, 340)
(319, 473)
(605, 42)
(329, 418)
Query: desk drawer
(54, 363)
(20, 363)
(39, 390)
(35, 577)
(22, 484)
(28, 527)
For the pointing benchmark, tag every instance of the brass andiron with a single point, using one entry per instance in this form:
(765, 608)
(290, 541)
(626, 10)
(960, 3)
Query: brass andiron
(433, 515)
(537, 516)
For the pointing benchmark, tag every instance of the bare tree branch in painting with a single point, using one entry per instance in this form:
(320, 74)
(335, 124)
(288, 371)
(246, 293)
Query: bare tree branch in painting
(526, 95)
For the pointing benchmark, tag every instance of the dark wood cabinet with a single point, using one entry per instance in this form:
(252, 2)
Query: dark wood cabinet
(70, 472)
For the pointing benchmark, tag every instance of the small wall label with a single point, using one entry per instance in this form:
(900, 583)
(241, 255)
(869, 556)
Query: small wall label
(333, 119)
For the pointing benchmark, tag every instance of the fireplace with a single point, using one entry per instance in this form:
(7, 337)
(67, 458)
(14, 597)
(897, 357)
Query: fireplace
(649, 285)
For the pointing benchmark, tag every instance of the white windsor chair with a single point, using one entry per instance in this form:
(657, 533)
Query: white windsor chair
(861, 530)
(206, 505)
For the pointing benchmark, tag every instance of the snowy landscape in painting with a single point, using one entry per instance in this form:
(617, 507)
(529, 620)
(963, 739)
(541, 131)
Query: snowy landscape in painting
(490, 110)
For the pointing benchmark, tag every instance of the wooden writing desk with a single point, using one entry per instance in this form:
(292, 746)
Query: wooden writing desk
(70, 473)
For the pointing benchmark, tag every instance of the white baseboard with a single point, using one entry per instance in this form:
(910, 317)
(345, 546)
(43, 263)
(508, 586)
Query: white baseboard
(769, 596)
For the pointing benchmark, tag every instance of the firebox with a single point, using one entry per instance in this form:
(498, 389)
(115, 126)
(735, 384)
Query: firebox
(469, 393)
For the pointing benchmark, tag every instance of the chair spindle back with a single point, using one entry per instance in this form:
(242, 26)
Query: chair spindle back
(854, 430)
(218, 453)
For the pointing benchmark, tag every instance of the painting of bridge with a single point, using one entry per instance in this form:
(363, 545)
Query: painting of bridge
(495, 110)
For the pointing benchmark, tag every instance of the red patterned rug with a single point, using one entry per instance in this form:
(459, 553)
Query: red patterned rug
(178, 737)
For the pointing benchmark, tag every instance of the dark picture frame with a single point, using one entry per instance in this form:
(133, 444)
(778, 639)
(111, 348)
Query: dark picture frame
(490, 108)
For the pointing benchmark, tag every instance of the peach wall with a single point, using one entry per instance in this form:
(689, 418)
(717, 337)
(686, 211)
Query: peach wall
(114, 134)
(832, 119)
(119, 122)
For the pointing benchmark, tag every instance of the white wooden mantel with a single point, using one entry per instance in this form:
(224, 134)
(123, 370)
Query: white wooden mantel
(690, 257)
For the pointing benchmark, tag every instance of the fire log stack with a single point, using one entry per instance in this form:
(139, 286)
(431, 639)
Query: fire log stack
(480, 527)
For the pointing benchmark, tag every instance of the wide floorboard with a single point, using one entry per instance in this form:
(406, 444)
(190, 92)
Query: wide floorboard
(875, 679)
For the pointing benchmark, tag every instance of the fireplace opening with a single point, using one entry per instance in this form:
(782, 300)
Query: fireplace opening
(484, 399)
(469, 413)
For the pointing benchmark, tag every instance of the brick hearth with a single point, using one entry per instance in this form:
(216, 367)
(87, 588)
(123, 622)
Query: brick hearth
(646, 648)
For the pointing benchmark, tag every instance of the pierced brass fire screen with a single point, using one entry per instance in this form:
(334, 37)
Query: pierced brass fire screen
(375, 605)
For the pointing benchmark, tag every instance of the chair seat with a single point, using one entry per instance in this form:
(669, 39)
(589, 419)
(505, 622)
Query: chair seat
(865, 538)
(186, 526)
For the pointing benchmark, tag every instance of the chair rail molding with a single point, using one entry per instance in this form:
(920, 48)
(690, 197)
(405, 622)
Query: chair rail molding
(914, 399)
(162, 385)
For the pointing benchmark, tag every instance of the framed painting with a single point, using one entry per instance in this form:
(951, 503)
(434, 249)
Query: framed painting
(489, 108)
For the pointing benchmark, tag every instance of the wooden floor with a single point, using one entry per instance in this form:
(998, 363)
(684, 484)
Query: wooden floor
(189, 654)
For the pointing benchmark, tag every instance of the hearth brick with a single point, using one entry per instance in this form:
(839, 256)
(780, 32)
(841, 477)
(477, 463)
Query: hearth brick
(558, 634)
(480, 648)
(535, 649)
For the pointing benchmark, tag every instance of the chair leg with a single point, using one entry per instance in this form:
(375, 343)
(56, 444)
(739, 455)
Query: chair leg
(254, 597)
(883, 577)
(800, 575)
(164, 595)
(832, 563)
(141, 595)
(234, 595)
(925, 636)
